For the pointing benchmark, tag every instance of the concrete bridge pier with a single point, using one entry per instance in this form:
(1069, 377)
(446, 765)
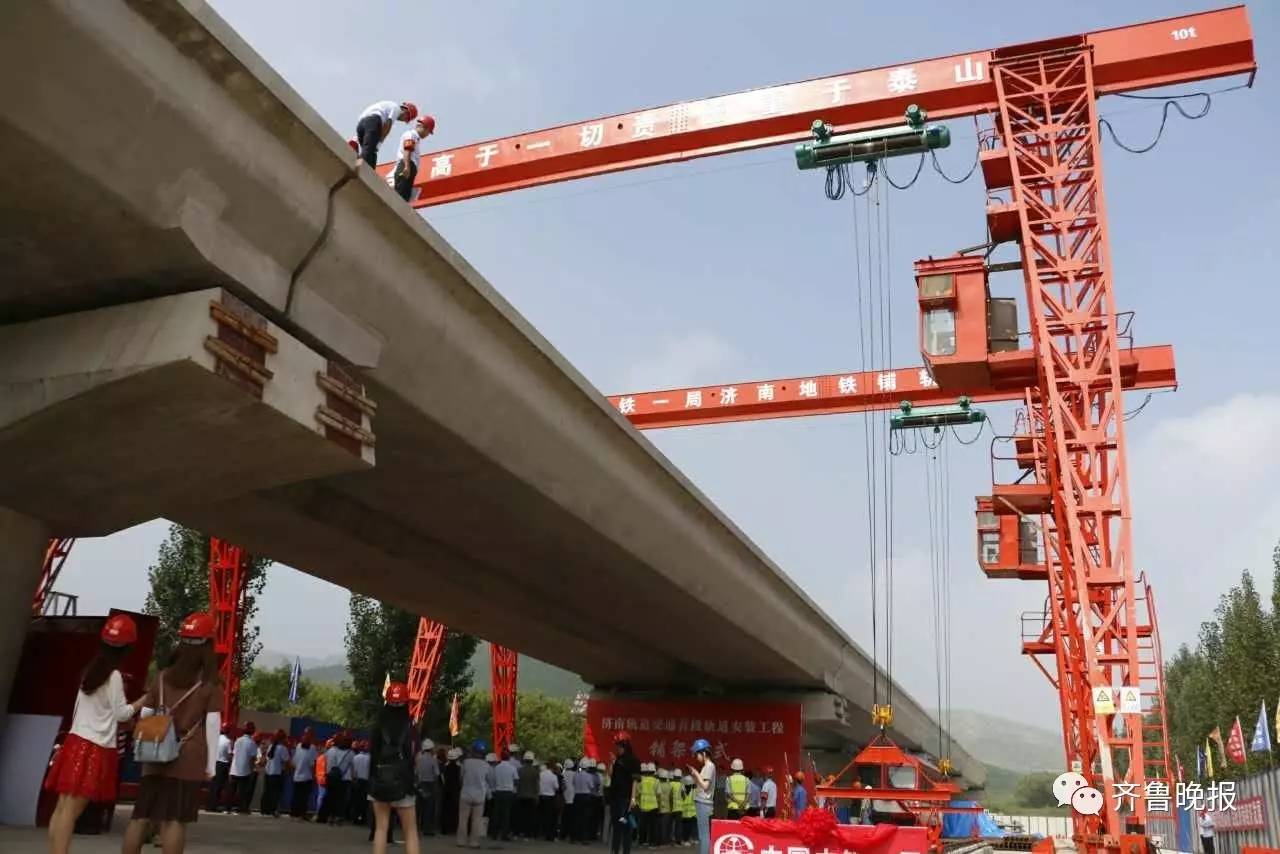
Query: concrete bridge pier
(23, 541)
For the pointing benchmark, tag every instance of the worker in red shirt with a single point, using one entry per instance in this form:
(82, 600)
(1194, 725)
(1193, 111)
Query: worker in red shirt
(375, 123)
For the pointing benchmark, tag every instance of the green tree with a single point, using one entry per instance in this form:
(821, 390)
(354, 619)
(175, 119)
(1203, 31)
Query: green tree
(379, 644)
(180, 586)
(546, 725)
(1036, 790)
(268, 691)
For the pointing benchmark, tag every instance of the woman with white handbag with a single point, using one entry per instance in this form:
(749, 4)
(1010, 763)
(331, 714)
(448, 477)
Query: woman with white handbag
(177, 744)
(86, 767)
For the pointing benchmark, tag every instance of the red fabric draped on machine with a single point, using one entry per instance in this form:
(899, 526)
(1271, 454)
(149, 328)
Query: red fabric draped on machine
(815, 833)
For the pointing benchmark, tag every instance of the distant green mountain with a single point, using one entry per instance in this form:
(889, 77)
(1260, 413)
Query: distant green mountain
(533, 676)
(1007, 744)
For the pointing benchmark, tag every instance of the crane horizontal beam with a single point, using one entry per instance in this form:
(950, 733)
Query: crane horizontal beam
(1156, 53)
(862, 391)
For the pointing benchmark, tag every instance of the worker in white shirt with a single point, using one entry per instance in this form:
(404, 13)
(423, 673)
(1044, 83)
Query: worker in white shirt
(244, 768)
(427, 771)
(401, 177)
(304, 774)
(567, 777)
(769, 794)
(277, 759)
(582, 787)
(85, 768)
(223, 769)
(548, 787)
(358, 803)
(374, 125)
(504, 778)
(472, 797)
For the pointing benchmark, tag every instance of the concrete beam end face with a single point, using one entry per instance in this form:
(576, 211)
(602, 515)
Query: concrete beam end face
(116, 416)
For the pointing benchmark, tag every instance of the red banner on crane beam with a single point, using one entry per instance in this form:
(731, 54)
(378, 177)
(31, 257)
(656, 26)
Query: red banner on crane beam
(861, 391)
(1156, 53)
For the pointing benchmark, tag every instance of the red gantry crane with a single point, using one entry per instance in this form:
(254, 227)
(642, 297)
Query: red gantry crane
(1041, 160)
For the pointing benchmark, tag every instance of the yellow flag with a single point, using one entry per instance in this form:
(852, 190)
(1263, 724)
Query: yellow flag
(1208, 758)
(386, 683)
(455, 725)
(1278, 722)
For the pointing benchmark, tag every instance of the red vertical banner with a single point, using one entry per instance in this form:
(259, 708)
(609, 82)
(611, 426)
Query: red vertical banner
(662, 731)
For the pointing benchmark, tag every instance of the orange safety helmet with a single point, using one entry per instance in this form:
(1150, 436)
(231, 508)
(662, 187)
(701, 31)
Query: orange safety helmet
(622, 737)
(119, 630)
(410, 108)
(197, 627)
(397, 694)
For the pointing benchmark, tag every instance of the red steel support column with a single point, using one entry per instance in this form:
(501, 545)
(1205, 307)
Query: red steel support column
(54, 558)
(503, 674)
(1048, 124)
(228, 565)
(428, 650)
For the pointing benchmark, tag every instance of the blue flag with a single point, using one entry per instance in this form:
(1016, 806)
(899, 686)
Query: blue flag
(1261, 732)
(295, 676)
(1199, 763)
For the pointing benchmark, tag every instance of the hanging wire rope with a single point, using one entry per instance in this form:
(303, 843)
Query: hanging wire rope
(937, 167)
(839, 180)
(914, 178)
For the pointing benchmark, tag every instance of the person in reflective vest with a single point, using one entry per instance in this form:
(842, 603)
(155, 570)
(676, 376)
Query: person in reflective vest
(688, 814)
(737, 789)
(677, 807)
(647, 803)
(664, 806)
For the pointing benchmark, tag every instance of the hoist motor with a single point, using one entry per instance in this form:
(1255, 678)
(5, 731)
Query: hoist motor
(962, 412)
(828, 149)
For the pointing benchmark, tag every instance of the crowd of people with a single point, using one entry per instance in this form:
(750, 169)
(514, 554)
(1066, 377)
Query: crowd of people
(474, 795)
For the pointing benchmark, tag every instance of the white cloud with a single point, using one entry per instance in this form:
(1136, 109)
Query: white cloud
(1205, 505)
(697, 357)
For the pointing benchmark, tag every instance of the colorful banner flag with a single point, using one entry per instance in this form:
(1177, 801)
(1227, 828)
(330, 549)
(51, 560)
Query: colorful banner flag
(295, 676)
(1208, 758)
(1235, 743)
(1261, 732)
(455, 722)
(1216, 735)
(1277, 720)
(386, 683)
(1178, 763)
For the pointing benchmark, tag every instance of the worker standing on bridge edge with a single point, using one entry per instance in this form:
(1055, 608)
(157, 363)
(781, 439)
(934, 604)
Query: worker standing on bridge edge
(85, 768)
(375, 123)
(406, 169)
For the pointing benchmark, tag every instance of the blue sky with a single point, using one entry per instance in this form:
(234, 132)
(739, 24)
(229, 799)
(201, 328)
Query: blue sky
(737, 268)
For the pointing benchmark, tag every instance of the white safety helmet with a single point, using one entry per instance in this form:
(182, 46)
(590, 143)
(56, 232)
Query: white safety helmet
(736, 765)
(513, 749)
(664, 774)
(454, 753)
(568, 764)
(588, 762)
(491, 757)
(428, 744)
(688, 781)
(528, 756)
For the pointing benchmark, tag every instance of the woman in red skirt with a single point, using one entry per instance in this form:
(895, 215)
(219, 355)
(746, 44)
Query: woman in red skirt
(86, 767)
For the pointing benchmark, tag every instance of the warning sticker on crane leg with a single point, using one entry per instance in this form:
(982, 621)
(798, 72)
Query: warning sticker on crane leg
(1104, 703)
(1130, 700)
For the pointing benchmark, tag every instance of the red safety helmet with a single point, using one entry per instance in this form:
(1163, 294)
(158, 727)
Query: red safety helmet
(428, 122)
(411, 109)
(119, 630)
(622, 737)
(197, 627)
(768, 770)
(397, 694)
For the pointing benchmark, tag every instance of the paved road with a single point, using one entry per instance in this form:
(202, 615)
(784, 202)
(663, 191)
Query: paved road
(224, 834)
